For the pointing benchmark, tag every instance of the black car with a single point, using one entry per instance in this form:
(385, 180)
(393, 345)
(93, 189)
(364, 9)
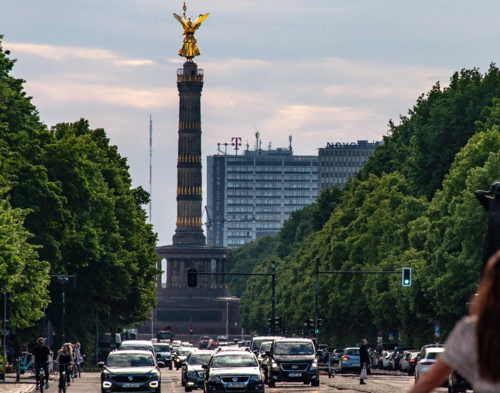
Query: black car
(204, 341)
(163, 354)
(192, 370)
(130, 371)
(236, 371)
(181, 355)
(292, 360)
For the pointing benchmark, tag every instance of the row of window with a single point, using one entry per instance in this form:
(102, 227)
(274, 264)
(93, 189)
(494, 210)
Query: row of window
(266, 178)
(276, 186)
(345, 153)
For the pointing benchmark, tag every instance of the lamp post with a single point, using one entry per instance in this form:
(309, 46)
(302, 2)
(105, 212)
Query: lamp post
(63, 278)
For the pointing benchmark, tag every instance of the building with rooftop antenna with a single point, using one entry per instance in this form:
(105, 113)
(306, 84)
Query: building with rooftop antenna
(251, 195)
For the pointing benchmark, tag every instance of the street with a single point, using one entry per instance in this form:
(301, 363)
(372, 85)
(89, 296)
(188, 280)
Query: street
(379, 382)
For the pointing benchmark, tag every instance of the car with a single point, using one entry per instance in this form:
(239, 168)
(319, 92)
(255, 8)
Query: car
(395, 361)
(428, 358)
(138, 344)
(337, 354)
(258, 340)
(130, 370)
(350, 360)
(264, 348)
(405, 360)
(163, 353)
(204, 341)
(192, 371)
(291, 360)
(222, 340)
(386, 360)
(181, 356)
(382, 349)
(415, 357)
(236, 371)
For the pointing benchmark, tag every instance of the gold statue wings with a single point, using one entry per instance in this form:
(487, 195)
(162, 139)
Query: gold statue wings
(196, 24)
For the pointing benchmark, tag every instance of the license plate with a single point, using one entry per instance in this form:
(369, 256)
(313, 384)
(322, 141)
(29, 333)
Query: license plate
(295, 374)
(236, 385)
(131, 385)
(356, 365)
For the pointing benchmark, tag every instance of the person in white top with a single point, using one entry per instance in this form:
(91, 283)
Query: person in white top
(473, 347)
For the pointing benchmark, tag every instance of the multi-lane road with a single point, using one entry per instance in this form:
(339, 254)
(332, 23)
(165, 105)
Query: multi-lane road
(379, 382)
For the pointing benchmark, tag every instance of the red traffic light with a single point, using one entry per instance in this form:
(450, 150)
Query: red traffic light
(190, 331)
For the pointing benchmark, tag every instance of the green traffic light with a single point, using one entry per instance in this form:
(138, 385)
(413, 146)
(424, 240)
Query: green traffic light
(316, 331)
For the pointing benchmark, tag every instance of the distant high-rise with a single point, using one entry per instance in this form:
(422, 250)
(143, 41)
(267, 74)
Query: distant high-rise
(340, 161)
(251, 195)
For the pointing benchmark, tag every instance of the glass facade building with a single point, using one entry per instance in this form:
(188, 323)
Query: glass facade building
(340, 161)
(251, 195)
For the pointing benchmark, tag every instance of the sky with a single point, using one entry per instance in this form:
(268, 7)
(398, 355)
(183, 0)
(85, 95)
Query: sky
(321, 71)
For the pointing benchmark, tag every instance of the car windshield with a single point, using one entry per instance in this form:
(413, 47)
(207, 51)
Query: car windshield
(118, 360)
(136, 346)
(265, 347)
(352, 352)
(184, 352)
(235, 360)
(433, 355)
(200, 358)
(162, 348)
(291, 348)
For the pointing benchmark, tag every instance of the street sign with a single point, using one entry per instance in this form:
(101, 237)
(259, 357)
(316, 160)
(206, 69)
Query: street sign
(391, 337)
(379, 340)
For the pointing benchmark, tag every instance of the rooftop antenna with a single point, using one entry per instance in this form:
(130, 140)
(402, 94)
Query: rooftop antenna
(248, 146)
(270, 146)
(290, 140)
(257, 135)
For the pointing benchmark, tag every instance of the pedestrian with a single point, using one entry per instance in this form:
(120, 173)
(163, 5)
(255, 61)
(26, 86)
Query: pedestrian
(473, 347)
(364, 362)
(40, 356)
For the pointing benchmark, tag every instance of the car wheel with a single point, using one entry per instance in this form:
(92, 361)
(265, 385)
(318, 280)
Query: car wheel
(306, 382)
(271, 384)
(315, 383)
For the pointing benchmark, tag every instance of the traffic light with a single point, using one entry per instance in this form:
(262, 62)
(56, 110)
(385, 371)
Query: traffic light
(280, 322)
(190, 331)
(192, 278)
(318, 325)
(406, 277)
(270, 322)
(308, 322)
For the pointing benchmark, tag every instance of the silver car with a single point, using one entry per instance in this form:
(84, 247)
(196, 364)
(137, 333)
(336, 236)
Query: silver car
(429, 357)
(192, 372)
(350, 360)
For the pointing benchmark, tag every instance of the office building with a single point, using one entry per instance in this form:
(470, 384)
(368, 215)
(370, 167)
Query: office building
(251, 195)
(340, 161)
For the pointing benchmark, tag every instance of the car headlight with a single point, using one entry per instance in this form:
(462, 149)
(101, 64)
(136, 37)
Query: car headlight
(214, 378)
(106, 385)
(154, 384)
(255, 378)
(149, 376)
(191, 373)
(314, 365)
(274, 365)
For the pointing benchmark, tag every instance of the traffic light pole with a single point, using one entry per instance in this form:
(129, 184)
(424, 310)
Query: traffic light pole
(318, 272)
(194, 272)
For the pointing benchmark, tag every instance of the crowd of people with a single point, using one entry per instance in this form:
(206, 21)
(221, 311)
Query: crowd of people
(69, 359)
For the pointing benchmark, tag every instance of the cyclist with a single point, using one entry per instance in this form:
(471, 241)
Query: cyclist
(41, 356)
(65, 359)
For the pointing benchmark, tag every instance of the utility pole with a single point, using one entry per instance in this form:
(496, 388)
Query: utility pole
(5, 332)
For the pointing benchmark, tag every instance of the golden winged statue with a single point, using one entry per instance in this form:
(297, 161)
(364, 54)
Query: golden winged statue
(189, 48)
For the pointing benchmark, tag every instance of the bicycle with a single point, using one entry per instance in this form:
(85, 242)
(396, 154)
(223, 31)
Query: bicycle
(63, 376)
(42, 378)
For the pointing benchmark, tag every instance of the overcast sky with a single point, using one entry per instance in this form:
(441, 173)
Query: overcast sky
(321, 71)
